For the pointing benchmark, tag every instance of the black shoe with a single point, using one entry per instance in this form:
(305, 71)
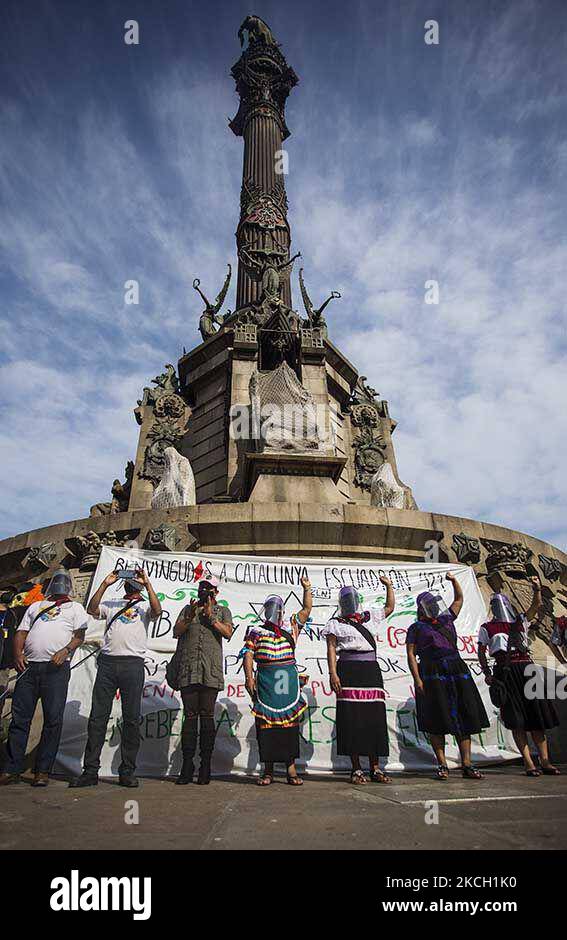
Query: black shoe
(187, 771)
(85, 780)
(204, 772)
(129, 781)
(207, 743)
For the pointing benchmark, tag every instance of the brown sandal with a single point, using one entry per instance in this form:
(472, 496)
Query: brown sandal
(357, 778)
(265, 780)
(378, 776)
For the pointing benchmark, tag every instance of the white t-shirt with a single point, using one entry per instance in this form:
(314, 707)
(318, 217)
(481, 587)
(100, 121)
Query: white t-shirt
(128, 635)
(348, 637)
(52, 631)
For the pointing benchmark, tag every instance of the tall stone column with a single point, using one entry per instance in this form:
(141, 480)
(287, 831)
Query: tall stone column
(263, 81)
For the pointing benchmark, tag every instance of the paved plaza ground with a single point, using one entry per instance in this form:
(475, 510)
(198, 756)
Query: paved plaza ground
(505, 811)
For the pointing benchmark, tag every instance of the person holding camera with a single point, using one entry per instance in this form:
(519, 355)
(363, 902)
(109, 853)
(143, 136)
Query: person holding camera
(120, 668)
(505, 639)
(200, 629)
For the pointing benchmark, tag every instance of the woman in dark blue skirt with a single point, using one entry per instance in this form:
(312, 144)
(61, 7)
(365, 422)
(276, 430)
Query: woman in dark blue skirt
(446, 697)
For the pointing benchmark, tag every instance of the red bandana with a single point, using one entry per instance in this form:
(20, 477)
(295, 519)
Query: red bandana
(358, 617)
(273, 626)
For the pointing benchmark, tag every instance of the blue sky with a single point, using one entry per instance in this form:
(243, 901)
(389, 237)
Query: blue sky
(406, 162)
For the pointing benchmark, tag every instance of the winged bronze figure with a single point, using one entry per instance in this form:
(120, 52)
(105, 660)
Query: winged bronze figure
(315, 317)
(210, 320)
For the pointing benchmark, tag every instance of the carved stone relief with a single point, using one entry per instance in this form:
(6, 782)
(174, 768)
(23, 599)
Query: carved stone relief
(87, 548)
(40, 557)
(466, 548)
(163, 538)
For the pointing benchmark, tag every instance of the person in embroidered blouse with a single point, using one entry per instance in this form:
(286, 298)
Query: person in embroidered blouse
(447, 700)
(505, 638)
(559, 638)
(356, 680)
(275, 690)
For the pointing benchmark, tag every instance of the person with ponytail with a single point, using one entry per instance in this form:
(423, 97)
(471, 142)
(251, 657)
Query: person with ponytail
(356, 680)
(45, 640)
(275, 690)
(447, 700)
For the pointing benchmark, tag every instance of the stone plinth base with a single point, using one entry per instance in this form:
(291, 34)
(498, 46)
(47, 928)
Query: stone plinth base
(287, 478)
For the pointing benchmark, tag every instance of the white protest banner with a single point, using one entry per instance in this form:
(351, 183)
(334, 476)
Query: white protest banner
(244, 583)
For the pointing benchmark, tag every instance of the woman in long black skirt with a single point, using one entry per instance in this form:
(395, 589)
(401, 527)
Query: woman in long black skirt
(447, 700)
(524, 709)
(356, 680)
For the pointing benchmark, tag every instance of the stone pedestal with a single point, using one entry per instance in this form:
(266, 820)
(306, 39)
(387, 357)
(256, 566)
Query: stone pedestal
(215, 380)
(287, 478)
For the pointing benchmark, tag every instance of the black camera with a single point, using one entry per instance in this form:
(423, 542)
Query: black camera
(204, 592)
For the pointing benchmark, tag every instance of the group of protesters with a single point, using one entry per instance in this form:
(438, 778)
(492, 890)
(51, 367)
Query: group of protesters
(447, 699)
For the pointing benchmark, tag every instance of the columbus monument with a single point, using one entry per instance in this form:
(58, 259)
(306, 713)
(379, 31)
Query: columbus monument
(264, 438)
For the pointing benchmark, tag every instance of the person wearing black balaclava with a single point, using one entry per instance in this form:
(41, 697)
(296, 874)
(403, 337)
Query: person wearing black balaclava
(120, 667)
(44, 643)
(200, 630)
